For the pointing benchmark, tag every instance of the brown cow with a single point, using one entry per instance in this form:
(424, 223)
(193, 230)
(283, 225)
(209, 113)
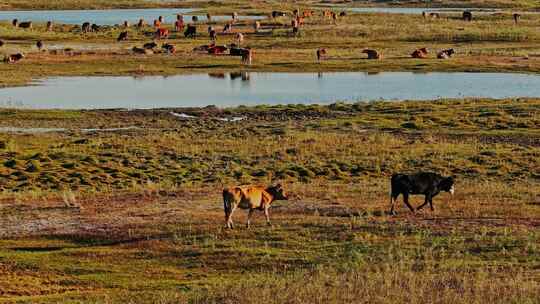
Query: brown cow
(179, 25)
(13, 58)
(162, 33)
(251, 198)
(445, 54)
(420, 53)
(372, 54)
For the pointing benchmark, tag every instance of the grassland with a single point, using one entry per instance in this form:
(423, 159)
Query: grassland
(491, 43)
(135, 215)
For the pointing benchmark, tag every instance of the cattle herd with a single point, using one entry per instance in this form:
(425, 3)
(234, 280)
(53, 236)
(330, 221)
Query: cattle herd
(234, 49)
(259, 198)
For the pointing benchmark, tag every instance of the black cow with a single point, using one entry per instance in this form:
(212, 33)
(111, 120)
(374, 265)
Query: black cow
(426, 183)
(191, 31)
(122, 37)
(467, 16)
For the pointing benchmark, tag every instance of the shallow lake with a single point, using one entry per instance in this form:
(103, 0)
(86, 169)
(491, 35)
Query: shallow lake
(263, 88)
(108, 17)
(416, 10)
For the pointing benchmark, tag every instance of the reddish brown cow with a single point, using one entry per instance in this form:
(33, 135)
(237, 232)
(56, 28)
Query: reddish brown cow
(251, 198)
(420, 53)
(162, 33)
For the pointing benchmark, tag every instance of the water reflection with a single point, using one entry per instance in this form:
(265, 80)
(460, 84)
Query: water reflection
(251, 88)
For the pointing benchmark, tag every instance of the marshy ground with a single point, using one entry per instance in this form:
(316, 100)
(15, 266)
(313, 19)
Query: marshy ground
(136, 215)
(124, 206)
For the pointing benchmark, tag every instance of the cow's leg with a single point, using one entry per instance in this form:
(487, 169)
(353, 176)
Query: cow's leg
(230, 223)
(267, 215)
(250, 213)
(426, 201)
(406, 200)
(431, 204)
(393, 198)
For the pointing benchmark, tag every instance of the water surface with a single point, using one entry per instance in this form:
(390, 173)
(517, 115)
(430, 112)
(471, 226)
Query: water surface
(233, 89)
(107, 17)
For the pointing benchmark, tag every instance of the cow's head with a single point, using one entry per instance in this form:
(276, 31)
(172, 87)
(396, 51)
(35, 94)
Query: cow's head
(447, 184)
(277, 192)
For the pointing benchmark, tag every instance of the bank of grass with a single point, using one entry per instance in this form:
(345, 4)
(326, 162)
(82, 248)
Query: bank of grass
(490, 43)
(135, 216)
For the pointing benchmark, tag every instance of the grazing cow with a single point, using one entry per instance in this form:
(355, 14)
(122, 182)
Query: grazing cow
(516, 18)
(321, 54)
(39, 44)
(26, 25)
(142, 51)
(50, 26)
(245, 53)
(208, 17)
(343, 14)
(85, 27)
(213, 35)
(251, 198)
(195, 19)
(169, 48)
(372, 54)
(95, 27)
(217, 49)
(227, 28)
(420, 53)
(141, 23)
(162, 33)
(13, 58)
(467, 16)
(276, 14)
(179, 25)
(150, 45)
(426, 183)
(122, 37)
(445, 54)
(239, 38)
(191, 31)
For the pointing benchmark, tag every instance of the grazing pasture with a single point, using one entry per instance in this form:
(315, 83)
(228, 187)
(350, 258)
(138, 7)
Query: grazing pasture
(136, 214)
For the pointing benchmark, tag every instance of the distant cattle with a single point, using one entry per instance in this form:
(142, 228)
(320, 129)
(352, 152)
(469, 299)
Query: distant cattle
(157, 23)
(227, 28)
(420, 53)
(321, 54)
(212, 34)
(169, 48)
(39, 44)
(85, 27)
(162, 33)
(180, 17)
(217, 49)
(49, 26)
(142, 51)
(276, 14)
(445, 54)
(245, 53)
(14, 58)
(239, 38)
(343, 14)
(122, 37)
(251, 198)
(95, 28)
(208, 17)
(26, 25)
(141, 23)
(126, 24)
(327, 13)
(161, 19)
(307, 14)
(372, 54)
(467, 16)
(257, 26)
(516, 18)
(179, 25)
(195, 19)
(191, 31)
(150, 45)
(426, 183)
(15, 22)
